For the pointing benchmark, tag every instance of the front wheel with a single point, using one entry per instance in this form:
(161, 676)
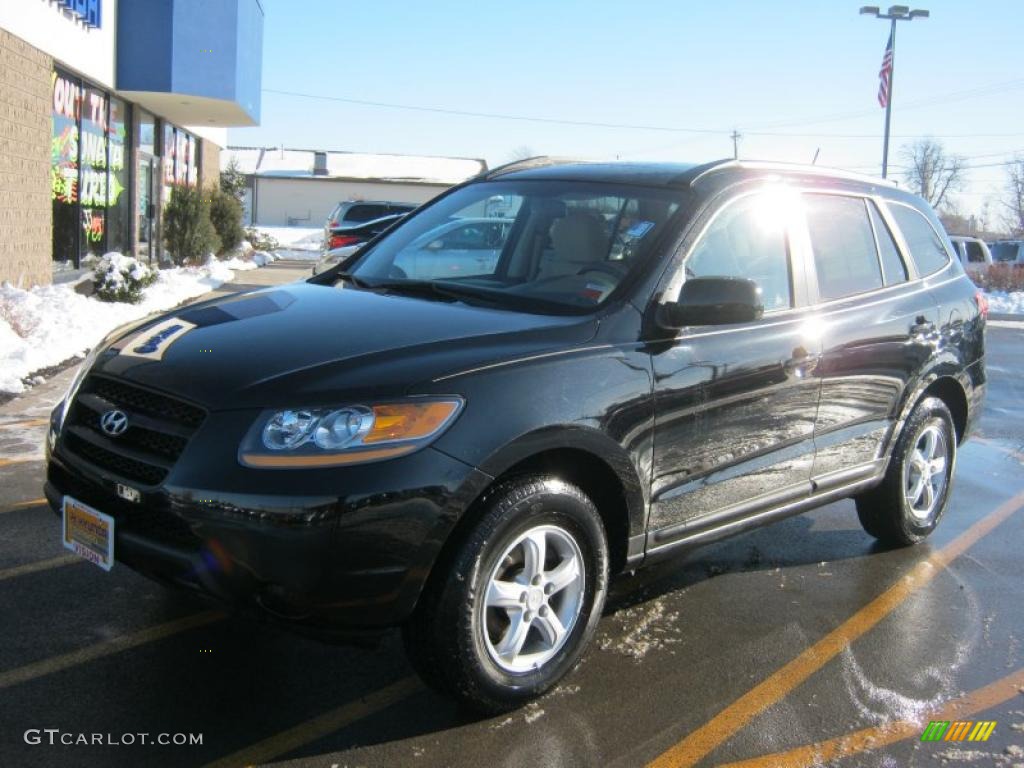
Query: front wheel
(516, 607)
(907, 505)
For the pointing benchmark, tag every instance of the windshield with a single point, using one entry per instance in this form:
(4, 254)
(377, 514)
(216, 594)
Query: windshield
(551, 244)
(1004, 251)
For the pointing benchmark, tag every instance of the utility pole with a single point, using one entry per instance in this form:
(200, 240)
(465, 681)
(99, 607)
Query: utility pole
(735, 144)
(894, 14)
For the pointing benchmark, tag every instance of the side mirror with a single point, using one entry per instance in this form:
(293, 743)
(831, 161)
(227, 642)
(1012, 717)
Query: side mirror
(713, 301)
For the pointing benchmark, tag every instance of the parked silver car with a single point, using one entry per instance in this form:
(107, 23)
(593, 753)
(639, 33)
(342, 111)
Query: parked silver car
(972, 252)
(458, 248)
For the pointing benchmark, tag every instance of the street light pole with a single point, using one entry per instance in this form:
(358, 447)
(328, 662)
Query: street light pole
(894, 14)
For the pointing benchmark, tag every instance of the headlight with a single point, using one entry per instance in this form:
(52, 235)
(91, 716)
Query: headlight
(299, 438)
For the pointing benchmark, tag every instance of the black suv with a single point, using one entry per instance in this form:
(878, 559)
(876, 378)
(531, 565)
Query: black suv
(659, 356)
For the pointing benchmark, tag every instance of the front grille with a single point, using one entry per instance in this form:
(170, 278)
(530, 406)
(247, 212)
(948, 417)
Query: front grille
(131, 398)
(169, 446)
(159, 428)
(129, 469)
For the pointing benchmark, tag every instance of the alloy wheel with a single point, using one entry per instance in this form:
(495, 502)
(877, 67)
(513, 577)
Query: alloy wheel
(533, 598)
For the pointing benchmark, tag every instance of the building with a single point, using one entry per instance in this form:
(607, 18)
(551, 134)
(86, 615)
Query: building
(105, 107)
(297, 186)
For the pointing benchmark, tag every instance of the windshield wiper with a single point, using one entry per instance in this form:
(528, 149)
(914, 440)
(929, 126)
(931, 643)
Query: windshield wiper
(431, 288)
(350, 278)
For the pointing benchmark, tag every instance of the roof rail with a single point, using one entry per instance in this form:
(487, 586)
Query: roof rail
(538, 161)
(770, 165)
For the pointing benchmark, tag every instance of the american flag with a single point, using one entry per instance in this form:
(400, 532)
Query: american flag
(885, 74)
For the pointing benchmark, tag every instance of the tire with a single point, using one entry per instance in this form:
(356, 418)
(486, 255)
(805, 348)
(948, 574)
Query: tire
(461, 637)
(885, 511)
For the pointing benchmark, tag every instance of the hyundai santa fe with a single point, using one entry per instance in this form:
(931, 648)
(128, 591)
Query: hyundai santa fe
(657, 357)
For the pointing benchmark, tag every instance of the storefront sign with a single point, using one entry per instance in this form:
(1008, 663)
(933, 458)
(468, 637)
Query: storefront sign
(86, 11)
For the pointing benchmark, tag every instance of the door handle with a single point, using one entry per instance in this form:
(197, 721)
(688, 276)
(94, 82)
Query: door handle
(922, 327)
(801, 363)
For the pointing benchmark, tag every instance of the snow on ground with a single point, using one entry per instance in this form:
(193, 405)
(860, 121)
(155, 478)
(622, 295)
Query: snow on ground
(48, 324)
(298, 243)
(1001, 302)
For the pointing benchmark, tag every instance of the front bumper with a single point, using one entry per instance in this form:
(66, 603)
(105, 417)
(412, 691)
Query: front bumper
(334, 551)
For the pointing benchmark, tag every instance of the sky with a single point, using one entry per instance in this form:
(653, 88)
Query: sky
(666, 81)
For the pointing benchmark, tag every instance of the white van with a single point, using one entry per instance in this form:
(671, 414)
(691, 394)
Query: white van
(972, 252)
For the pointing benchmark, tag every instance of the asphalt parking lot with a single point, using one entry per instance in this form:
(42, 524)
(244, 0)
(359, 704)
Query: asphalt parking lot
(798, 644)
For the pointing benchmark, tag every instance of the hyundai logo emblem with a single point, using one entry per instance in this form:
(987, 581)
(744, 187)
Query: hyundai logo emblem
(114, 423)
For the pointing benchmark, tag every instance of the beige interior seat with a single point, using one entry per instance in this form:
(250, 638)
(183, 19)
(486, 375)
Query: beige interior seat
(577, 239)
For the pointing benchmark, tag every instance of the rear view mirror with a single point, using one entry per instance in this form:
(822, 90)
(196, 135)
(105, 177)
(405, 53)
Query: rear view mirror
(713, 301)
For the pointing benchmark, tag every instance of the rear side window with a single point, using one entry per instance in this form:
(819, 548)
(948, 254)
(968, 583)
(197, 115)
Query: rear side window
(1004, 252)
(362, 213)
(844, 246)
(924, 242)
(974, 253)
(893, 269)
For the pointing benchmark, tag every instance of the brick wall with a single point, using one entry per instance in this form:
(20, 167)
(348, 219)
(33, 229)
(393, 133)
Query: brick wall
(25, 207)
(209, 164)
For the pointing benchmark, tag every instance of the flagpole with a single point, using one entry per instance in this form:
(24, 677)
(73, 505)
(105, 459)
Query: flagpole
(895, 13)
(888, 103)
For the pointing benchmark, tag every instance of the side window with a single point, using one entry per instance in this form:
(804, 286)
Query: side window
(747, 239)
(467, 237)
(844, 246)
(924, 243)
(358, 214)
(893, 268)
(974, 253)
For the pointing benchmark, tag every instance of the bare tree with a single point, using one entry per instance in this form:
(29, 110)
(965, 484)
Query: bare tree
(1015, 197)
(522, 152)
(932, 173)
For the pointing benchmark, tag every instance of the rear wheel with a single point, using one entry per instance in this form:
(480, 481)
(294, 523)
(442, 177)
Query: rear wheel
(519, 603)
(908, 504)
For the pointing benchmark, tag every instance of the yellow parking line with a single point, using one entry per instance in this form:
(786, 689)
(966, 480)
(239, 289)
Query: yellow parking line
(41, 565)
(24, 423)
(320, 726)
(19, 460)
(700, 743)
(888, 733)
(38, 669)
(24, 505)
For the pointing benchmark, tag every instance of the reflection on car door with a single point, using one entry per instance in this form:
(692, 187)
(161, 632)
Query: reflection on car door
(735, 405)
(877, 328)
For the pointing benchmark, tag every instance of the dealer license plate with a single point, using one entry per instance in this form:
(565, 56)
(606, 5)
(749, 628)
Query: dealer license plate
(88, 533)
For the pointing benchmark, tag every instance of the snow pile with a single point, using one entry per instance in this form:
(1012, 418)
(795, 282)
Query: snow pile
(239, 265)
(1003, 303)
(122, 278)
(49, 324)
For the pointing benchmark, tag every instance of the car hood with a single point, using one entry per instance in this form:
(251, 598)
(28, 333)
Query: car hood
(308, 344)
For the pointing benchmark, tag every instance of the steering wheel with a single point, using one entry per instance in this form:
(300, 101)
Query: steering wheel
(614, 271)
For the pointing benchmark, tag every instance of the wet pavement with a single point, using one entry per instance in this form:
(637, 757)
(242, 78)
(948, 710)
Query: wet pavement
(803, 643)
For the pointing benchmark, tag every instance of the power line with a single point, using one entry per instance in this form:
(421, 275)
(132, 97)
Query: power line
(609, 125)
(497, 115)
(970, 93)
